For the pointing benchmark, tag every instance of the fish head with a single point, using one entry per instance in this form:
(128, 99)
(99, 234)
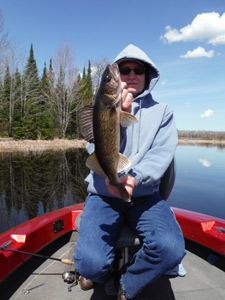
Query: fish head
(111, 82)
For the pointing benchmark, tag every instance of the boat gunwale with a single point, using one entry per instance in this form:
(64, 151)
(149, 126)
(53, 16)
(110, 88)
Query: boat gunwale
(40, 230)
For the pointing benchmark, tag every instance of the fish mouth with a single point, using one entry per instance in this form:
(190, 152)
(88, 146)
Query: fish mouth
(115, 71)
(112, 80)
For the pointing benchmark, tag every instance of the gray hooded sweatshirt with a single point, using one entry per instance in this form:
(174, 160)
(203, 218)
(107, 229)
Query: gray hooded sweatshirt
(150, 144)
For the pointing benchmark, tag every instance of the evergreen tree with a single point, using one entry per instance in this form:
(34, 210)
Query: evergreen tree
(45, 84)
(78, 91)
(5, 101)
(17, 106)
(51, 77)
(31, 99)
(89, 90)
(84, 75)
(44, 120)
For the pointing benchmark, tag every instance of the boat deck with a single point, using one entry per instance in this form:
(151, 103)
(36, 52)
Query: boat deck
(44, 279)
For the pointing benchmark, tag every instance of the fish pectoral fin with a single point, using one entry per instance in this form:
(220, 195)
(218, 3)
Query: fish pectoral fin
(123, 163)
(86, 122)
(93, 164)
(127, 119)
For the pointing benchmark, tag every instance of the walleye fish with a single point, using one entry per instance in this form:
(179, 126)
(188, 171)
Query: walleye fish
(100, 124)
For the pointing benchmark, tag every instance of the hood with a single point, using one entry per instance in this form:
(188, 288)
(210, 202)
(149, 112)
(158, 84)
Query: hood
(152, 73)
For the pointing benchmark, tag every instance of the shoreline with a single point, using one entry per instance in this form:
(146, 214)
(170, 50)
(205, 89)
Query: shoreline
(9, 145)
(182, 141)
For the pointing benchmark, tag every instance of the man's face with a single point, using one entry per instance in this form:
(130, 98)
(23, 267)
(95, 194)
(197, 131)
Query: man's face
(135, 82)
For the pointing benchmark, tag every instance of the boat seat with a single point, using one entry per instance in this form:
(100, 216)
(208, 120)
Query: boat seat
(128, 237)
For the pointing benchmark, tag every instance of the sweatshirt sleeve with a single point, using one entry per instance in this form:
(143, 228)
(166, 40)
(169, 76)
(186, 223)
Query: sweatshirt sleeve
(159, 156)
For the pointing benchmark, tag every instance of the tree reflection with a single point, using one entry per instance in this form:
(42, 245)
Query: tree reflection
(33, 184)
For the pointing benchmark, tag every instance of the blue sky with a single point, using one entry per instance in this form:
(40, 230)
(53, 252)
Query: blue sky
(185, 39)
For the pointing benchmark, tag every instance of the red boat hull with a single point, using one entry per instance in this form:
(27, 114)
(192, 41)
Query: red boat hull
(34, 234)
(203, 229)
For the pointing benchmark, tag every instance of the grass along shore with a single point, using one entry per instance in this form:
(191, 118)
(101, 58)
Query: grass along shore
(183, 141)
(10, 145)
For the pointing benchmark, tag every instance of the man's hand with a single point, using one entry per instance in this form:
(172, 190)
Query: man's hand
(126, 98)
(127, 180)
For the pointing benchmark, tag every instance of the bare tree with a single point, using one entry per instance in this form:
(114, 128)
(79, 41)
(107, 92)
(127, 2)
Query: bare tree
(97, 70)
(10, 61)
(4, 44)
(13, 62)
(62, 91)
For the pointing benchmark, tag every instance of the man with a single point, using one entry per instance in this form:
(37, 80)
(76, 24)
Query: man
(150, 146)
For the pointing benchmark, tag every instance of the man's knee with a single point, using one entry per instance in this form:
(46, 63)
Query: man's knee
(173, 249)
(93, 267)
(165, 248)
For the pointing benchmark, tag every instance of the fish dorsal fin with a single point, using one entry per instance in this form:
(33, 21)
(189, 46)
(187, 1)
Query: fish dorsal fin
(127, 119)
(123, 163)
(86, 122)
(93, 164)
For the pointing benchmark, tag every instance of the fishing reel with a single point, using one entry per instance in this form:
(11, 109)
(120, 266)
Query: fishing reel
(70, 278)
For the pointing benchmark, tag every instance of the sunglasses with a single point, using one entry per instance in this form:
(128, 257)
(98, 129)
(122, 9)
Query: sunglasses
(126, 70)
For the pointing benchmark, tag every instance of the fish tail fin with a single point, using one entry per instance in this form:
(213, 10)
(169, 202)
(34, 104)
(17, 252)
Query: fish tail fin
(124, 193)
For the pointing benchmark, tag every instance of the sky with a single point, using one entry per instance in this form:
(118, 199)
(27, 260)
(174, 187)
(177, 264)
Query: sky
(185, 39)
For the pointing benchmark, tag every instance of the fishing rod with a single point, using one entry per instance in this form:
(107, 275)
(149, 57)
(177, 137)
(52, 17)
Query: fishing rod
(4, 247)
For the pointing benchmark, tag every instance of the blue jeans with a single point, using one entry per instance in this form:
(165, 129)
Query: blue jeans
(154, 222)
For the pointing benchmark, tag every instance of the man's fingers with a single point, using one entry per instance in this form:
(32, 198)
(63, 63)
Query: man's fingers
(126, 100)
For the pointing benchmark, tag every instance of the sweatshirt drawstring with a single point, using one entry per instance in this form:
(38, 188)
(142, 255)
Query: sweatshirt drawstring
(139, 127)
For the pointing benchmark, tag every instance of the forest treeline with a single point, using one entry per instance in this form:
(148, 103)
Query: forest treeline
(201, 135)
(46, 107)
(43, 106)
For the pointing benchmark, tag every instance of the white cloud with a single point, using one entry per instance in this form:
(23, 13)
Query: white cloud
(198, 52)
(164, 82)
(205, 162)
(206, 26)
(207, 113)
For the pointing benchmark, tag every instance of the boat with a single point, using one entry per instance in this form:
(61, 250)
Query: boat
(52, 237)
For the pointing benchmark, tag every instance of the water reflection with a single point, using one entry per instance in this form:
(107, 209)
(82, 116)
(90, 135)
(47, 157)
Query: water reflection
(205, 162)
(31, 185)
(200, 179)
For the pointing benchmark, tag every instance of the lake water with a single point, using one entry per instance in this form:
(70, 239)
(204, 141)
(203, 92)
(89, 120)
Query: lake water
(200, 180)
(31, 185)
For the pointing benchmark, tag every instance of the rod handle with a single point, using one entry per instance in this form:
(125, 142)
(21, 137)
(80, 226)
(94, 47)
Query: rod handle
(67, 261)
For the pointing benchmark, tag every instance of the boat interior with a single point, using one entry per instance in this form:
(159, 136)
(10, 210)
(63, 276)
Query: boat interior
(40, 278)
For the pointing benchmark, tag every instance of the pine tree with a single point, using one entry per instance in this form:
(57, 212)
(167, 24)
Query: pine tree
(31, 99)
(73, 127)
(44, 121)
(84, 75)
(44, 84)
(17, 106)
(5, 102)
(89, 90)
(51, 77)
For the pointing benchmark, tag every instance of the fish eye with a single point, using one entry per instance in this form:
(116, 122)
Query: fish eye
(108, 78)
